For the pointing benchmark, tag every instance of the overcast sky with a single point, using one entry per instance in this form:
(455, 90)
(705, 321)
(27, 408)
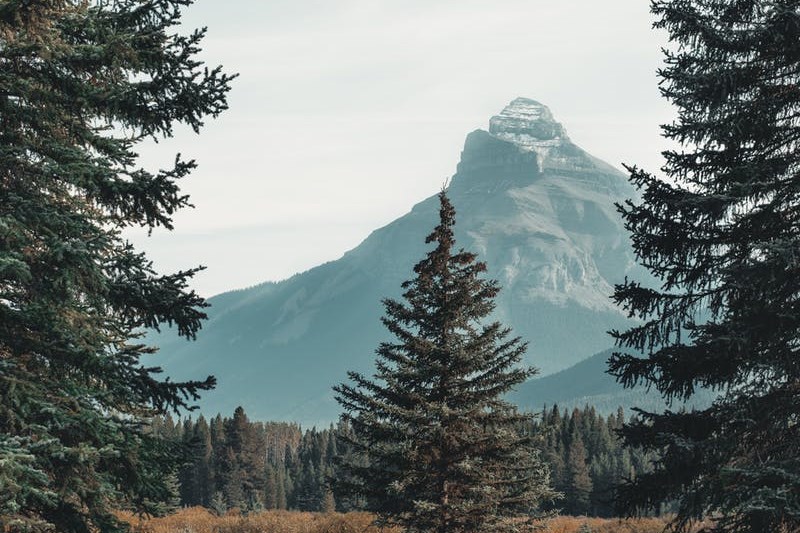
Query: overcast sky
(348, 112)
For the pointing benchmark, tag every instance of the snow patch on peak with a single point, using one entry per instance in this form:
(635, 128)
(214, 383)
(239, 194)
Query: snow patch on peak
(524, 117)
(530, 125)
(527, 109)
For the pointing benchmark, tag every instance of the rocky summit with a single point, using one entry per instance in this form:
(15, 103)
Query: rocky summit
(533, 205)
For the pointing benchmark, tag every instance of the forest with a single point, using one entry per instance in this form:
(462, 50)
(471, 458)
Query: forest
(234, 462)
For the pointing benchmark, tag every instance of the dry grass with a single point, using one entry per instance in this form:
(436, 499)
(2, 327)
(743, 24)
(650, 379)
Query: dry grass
(200, 520)
(573, 524)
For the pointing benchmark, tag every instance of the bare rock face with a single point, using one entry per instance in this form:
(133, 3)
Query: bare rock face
(541, 212)
(537, 208)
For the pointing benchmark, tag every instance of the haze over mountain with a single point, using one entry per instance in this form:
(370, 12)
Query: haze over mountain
(533, 205)
(587, 383)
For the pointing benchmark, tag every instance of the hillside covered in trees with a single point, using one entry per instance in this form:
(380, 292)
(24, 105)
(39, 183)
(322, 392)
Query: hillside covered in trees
(237, 463)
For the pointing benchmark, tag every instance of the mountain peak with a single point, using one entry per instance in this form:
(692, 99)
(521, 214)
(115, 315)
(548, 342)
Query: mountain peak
(522, 142)
(528, 124)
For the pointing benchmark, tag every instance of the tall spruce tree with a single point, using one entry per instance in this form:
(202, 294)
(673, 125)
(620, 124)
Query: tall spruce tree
(577, 493)
(723, 235)
(433, 445)
(81, 83)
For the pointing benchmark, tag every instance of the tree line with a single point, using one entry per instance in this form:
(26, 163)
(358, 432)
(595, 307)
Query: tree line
(233, 462)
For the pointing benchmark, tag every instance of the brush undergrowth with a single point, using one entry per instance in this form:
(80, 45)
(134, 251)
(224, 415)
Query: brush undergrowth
(200, 520)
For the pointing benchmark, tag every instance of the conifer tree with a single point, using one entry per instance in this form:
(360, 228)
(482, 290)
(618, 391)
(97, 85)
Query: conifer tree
(280, 489)
(204, 466)
(723, 236)
(579, 483)
(328, 501)
(188, 475)
(270, 488)
(246, 459)
(81, 83)
(218, 504)
(443, 449)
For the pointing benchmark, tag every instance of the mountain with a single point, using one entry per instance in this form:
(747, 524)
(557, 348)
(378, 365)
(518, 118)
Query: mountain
(586, 383)
(536, 207)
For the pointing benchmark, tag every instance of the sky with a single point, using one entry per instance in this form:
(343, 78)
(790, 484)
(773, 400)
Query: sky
(346, 113)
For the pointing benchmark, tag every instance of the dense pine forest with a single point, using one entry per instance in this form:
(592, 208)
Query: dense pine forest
(233, 462)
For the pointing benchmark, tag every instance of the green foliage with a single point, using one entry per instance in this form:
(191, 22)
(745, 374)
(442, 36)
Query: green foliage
(81, 83)
(218, 504)
(587, 459)
(256, 465)
(722, 236)
(435, 448)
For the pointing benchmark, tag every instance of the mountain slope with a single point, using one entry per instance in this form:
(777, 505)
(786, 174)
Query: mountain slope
(586, 383)
(531, 203)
